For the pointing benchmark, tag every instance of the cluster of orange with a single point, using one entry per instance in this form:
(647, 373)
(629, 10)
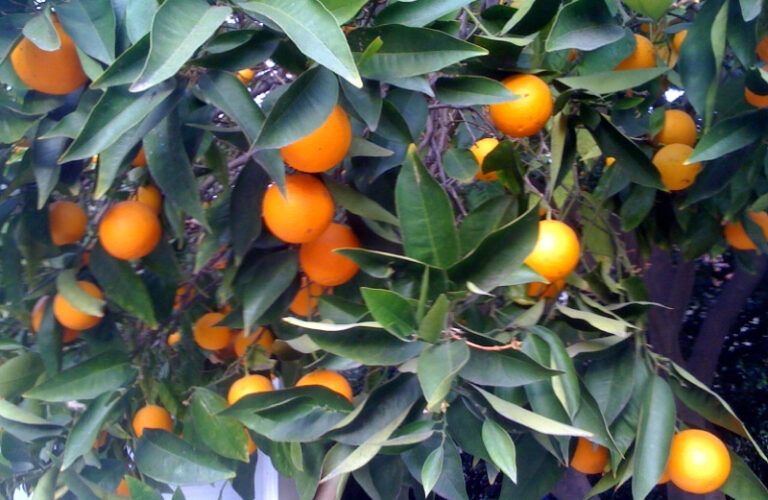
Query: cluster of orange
(698, 461)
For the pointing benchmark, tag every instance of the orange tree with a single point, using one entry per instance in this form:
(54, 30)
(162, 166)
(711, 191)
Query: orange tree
(369, 237)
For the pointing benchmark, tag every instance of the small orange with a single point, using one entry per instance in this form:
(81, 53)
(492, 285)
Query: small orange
(151, 417)
(322, 149)
(529, 113)
(262, 337)
(151, 197)
(209, 336)
(306, 299)
(140, 160)
(303, 214)
(480, 150)
(122, 489)
(557, 250)
(250, 384)
(670, 162)
(698, 461)
(251, 445)
(67, 335)
(246, 75)
(589, 458)
(737, 236)
(173, 339)
(678, 128)
(678, 39)
(322, 264)
(328, 379)
(545, 290)
(57, 72)
(609, 161)
(756, 100)
(67, 222)
(642, 57)
(129, 230)
(71, 317)
(762, 49)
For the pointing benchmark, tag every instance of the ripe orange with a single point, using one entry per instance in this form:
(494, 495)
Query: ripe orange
(322, 149)
(71, 317)
(670, 162)
(262, 337)
(678, 39)
(545, 290)
(306, 299)
(664, 479)
(698, 461)
(129, 230)
(557, 250)
(762, 49)
(609, 161)
(173, 339)
(303, 214)
(151, 417)
(246, 75)
(643, 56)
(122, 489)
(526, 115)
(57, 72)
(480, 150)
(679, 128)
(589, 458)
(737, 236)
(324, 266)
(328, 379)
(151, 197)
(211, 337)
(250, 384)
(67, 335)
(67, 222)
(140, 160)
(756, 100)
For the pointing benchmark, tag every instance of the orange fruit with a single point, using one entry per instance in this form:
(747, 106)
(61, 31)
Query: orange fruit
(737, 236)
(762, 49)
(642, 57)
(140, 160)
(184, 293)
(246, 75)
(480, 150)
(678, 39)
(678, 128)
(262, 337)
(122, 489)
(151, 417)
(545, 290)
(251, 445)
(609, 161)
(303, 214)
(322, 149)
(328, 379)
(173, 339)
(71, 317)
(756, 100)
(529, 113)
(306, 299)
(57, 72)
(151, 197)
(557, 251)
(209, 336)
(589, 458)
(250, 384)
(667, 54)
(129, 230)
(324, 266)
(670, 162)
(664, 479)
(67, 335)
(698, 461)
(67, 222)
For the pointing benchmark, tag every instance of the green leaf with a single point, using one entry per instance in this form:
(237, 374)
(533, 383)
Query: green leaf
(435, 321)
(67, 285)
(260, 282)
(140, 490)
(500, 254)
(138, 18)
(566, 385)
(610, 325)
(13, 413)
(245, 207)
(343, 10)
(44, 155)
(227, 93)
(609, 82)
(460, 165)
(432, 469)
(102, 373)
(19, 374)
(315, 32)
(122, 285)
(530, 419)
(40, 31)
(531, 16)
(323, 326)
(14, 125)
(91, 24)
(169, 459)
(391, 310)
(730, 135)
(471, 91)
(654, 435)
(224, 435)
(651, 8)
(301, 109)
(45, 489)
(359, 204)
(742, 483)
(583, 25)
(86, 429)
(407, 52)
(451, 483)
(437, 369)
(750, 9)
(126, 68)
(117, 112)
(636, 207)
(179, 28)
(365, 101)
(418, 13)
(608, 382)
(500, 447)
(509, 368)
(426, 216)
(369, 347)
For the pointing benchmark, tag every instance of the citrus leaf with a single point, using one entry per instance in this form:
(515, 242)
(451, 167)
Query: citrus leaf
(261, 282)
(224, 435)
(418, 13)
(730, 135)
(367, 346)
(91, 24)
(431, 470)
(742, 483)
(11, 412)
(40, 31)
(391, 310)
(140, 490)
(86, 429)
(19, 374)
(330, 327)
(46, 485)
(509, 368)
(500, 447)
(68, 287)
(654, 435)
(651, 8)
(471, 91)
(227, 93)
(438, 367)
(609, 82)
(583, 25)
(126, 68)
(359, 204)
(344, 10)
(435, 321)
